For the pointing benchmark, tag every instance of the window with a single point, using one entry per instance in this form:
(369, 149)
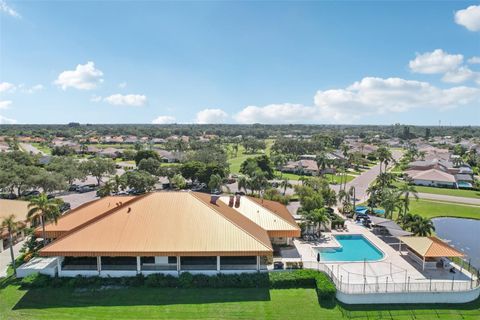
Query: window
(172, 260)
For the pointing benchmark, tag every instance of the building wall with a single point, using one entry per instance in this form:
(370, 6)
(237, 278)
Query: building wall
(409, 297)
(431, 183)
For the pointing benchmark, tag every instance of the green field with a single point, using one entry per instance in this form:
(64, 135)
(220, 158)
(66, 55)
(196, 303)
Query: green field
(42, 147)
(450, 192)
(432, 209)
(156, 303)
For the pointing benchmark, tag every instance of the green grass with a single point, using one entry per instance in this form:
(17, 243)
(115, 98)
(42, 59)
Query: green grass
(433, 209)
(449, 192)
(42, 147)
(156, 303)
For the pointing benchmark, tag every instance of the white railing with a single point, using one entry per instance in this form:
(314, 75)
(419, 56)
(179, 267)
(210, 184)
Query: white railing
(385, 284)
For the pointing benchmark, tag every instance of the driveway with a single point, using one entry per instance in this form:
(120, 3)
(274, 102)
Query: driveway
(5, 259)
(77, 199)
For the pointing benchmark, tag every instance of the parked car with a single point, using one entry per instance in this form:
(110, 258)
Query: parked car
(216, 192)
(199, 187)
(9, 196)
(65, 206)
(73, 187)
(31, 193)
(50, 196)
(278, 265)
(84, 189)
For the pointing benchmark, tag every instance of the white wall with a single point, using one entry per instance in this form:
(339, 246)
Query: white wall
(409, 297)
(74, 273)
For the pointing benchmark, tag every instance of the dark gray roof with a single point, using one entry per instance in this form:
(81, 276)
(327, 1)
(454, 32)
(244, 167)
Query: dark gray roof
(463, 177)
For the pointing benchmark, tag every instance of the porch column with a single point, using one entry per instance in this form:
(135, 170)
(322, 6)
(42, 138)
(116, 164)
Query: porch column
(423, 263)
(139, 266)
(99, 264)
(258, 263)
(178, 263)
(218, 263)
(1, 244)
(59, 266)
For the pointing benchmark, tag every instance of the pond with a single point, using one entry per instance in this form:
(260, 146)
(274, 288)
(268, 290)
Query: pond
(463, 234)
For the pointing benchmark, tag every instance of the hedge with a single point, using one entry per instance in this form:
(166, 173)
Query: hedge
(275, 280)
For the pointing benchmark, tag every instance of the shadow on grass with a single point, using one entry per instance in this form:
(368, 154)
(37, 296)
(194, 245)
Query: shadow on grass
(67, 297)
(360, 311)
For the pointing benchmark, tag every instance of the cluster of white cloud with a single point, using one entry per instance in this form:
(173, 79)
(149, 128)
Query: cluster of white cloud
(4, 104)
(5, 120)
(211, 116)
(450, 65)
(4, 7)
(134, 100)
(163, 120)
(469, 18)
(84, 77)
(369, 96)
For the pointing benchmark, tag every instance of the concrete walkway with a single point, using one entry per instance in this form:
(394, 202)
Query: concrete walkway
(446, 198)
(5, 259)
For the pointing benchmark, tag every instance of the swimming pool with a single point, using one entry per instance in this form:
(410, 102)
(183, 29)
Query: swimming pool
(355, 247)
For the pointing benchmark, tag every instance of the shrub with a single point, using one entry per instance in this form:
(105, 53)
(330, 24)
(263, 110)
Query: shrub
(35, 280)
(185, 280)
(325, 288)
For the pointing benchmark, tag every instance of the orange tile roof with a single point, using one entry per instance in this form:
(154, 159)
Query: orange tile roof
(162, 224)
(430, 247)
(82, 215)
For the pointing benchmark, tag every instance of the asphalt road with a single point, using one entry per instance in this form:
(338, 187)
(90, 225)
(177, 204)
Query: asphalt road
(446, 198)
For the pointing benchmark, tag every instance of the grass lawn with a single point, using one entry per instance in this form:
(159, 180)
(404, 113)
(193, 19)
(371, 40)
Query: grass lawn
(432, 209)
(42, 147)
(449, 192)
(156, 303)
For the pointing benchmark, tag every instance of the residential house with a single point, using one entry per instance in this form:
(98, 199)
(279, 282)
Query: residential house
(19, 209)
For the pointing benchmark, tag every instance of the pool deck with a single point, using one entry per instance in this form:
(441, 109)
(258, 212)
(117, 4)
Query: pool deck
(395, 266)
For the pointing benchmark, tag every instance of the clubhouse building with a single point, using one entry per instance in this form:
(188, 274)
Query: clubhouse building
(168, 232)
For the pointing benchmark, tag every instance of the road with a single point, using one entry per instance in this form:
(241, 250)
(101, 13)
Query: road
(446, 198)
(29, 148)
(5, 259)
(363, 181)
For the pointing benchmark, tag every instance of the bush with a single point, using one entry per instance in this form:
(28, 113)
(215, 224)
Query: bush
(325, 288)
(35, 280)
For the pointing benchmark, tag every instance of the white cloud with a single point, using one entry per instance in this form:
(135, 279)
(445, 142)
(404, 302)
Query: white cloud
(462, 74)
(469, 18)
(122, 85)
(474, 60)
(211, 116)
(4, 120)
(34, 89)
(276, 114)
(369, 96)
(6, 86)
(4, 7)
(164, 120)
(84, 77)
(134, 100)
(4, 104)
(437, 61)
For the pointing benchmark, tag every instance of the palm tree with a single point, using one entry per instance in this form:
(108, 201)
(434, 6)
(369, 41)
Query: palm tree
(405, 219)
(317, 217)
(285, 183)
(421, 226)
(322, 163)
(12, 226)
(45, 209)
(344, 198)
(242, 183)
(390, 201)
(406, 191)
(384, 156)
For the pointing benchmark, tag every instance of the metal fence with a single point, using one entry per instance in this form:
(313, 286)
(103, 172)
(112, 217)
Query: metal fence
(384, 284)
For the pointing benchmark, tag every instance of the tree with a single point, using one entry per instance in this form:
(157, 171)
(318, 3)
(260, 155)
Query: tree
(179, 181)
(49, 181)
(146, 154)
(12, 226)
(98, 167)
(406, 191)
(67, 167)
(322, 162)
(45, 209)
(390, 201)
(384, 156)
(140, 181)
(150, 165)
(215, 182)
(421, 226)
(285, 183)
(242, 183)
(251, 165)
(317, 217)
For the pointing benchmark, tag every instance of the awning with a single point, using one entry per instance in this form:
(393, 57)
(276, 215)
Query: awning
(393, 228)
(430, 247)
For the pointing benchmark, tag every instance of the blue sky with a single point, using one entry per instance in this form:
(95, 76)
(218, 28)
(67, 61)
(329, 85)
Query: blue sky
(240, 62)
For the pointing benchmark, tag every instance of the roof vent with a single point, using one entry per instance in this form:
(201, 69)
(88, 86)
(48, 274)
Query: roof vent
(214, 198)
(231, 201)
(129, 209)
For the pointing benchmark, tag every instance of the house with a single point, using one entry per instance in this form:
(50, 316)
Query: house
(168, 232)
(302, 167)
(432, 178)
(110, 153)
(19, 209)
(169, 156)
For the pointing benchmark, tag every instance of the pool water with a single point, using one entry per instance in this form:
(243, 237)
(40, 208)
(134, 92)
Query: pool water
(354, 248)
